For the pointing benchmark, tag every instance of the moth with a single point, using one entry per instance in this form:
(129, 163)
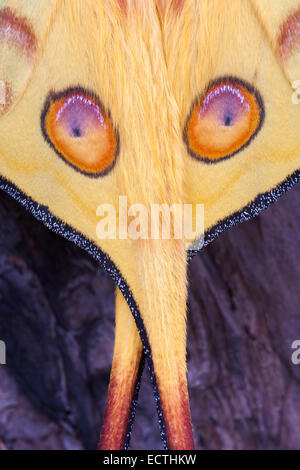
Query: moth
(164, 102)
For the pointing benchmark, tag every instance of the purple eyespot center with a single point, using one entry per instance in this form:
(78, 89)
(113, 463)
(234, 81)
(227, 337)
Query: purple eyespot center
(226, 104)
(78, 115)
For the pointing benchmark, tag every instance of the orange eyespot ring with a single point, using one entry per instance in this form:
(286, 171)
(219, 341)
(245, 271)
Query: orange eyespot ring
(77, 127)
(224, 120)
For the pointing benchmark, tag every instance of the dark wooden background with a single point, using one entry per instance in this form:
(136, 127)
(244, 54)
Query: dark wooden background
(57, 318)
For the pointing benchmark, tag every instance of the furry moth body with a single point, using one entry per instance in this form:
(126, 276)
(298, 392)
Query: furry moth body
(162, 101)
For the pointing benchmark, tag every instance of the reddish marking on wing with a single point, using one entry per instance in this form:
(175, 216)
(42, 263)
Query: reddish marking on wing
(289, 36)
(17, 31)
(123, 4)
(118, 407)
(162, 6)
(177, 418)
(177, 5)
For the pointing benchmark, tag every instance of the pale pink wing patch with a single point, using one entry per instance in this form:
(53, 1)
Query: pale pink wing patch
(18, 47)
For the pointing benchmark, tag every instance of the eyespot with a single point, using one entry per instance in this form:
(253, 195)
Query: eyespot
(80, 131)
(224, 120)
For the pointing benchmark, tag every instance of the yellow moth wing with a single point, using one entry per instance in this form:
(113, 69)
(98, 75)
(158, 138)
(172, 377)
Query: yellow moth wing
(231, 44)
(81, 34)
